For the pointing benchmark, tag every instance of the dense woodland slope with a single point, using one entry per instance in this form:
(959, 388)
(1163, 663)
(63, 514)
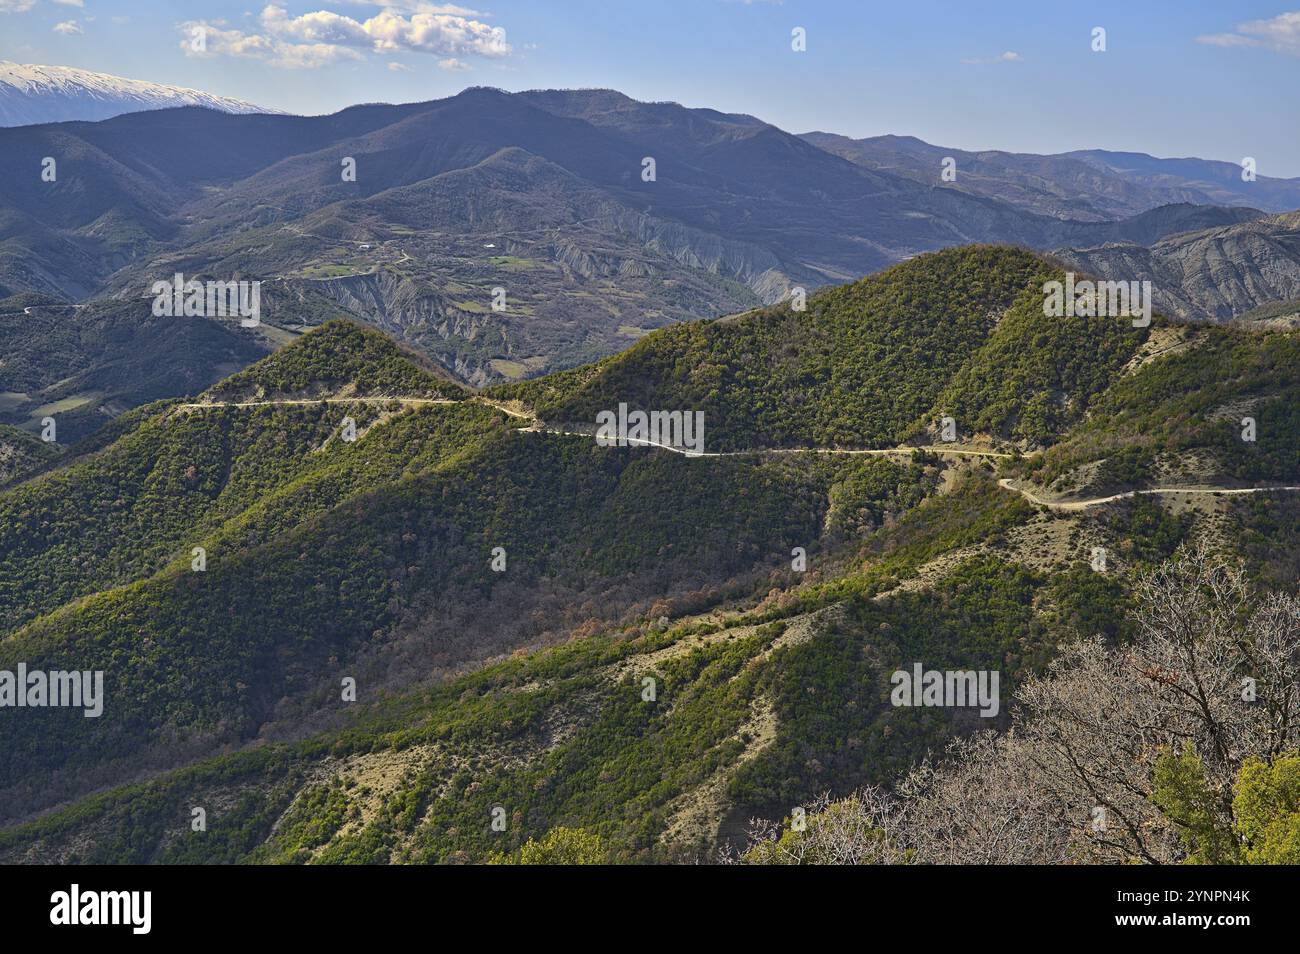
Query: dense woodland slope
(629, 647)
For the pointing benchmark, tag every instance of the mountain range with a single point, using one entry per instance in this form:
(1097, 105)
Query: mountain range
(1087, 184)
(53, 94)
(368, 576)
(355, 610)
(545, 195)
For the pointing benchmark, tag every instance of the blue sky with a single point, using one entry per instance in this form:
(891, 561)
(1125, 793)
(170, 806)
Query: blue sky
(1179, 77)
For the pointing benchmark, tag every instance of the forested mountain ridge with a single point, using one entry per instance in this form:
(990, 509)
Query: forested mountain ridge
(391, 536)
(83, 365)
(767, 596)
(873, 364)
(20, 453)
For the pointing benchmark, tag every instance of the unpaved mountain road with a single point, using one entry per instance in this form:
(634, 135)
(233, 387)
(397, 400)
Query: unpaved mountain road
(538, 427)
(1008, 484)
(309, 401)
(409, 401)
(848, 451)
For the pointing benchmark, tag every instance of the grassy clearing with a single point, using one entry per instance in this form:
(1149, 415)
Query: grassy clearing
(70, 403)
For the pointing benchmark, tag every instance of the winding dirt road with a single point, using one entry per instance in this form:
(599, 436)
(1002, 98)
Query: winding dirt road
(971, 452)
(1008, 484)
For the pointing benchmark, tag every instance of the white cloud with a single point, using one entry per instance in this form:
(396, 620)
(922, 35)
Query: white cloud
(1008, 57)
(397, 67)
(218, 41)
(16, 6)
(71, 3)
(323, 36)
(68, 28)
(322, 26)
(438, 33)
(1281, 34)
(453, 65)
(310, 56)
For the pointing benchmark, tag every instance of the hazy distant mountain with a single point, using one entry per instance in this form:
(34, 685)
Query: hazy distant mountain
(1215, 273)
(546, 194)
(52, 94)
(1089, 185)
(1196, 180)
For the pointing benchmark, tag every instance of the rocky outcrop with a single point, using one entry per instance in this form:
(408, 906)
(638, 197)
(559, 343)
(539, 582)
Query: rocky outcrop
(1214, 274)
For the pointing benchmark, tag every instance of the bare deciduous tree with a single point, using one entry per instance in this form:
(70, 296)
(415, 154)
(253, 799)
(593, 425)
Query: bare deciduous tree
(1213, 670)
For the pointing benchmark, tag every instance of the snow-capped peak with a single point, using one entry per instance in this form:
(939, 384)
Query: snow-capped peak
(50, 94)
